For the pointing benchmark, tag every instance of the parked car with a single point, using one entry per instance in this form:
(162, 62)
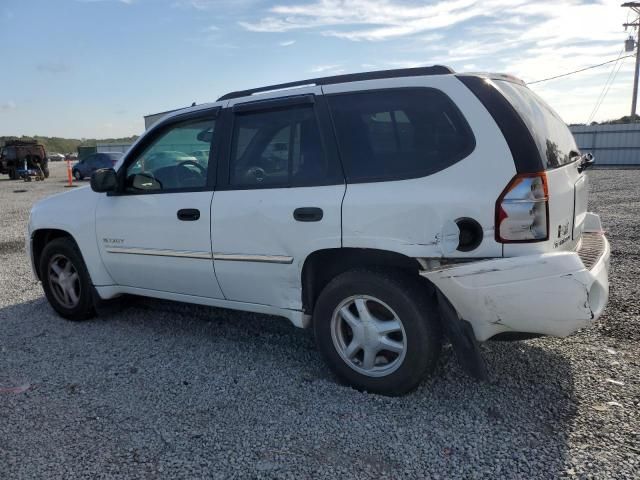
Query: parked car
(389, 211)
(88, 165)
(55, 157)
(20, 158)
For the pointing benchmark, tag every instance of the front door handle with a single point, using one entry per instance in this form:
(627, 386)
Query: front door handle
(308, 214)
(188, 214)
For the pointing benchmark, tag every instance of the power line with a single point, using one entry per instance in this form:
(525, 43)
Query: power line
(604, 88)
(581, 70)
(599, 104)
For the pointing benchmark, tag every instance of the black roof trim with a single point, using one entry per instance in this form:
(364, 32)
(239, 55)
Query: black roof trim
(346, 78)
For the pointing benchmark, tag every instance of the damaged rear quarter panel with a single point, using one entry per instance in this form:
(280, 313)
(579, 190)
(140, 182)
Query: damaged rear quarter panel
(546, 294)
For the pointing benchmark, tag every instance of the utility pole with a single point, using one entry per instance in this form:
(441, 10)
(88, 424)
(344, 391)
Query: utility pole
(635, 6)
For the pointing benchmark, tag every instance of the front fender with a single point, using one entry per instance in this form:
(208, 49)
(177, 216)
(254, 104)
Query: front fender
(72, 212)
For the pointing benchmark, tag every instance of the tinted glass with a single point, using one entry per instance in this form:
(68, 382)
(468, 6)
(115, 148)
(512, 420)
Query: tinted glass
(277, 147)
(177, 159)
(554, 139)
(400, 133)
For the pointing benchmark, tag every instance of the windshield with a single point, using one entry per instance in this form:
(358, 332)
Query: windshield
(554, 139)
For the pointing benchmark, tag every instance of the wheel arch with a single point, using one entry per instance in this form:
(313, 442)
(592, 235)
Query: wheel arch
(321, 266)
(40, 238)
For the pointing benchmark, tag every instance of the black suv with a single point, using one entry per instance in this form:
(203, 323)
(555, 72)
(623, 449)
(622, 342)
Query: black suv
(20, 157)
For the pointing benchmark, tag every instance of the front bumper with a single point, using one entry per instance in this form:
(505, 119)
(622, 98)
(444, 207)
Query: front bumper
(550, 294)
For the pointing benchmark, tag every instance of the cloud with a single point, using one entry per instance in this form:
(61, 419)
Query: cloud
(544, 21)
(287, 43)
(8, 105)
(532, 40)
(378, 19)
(53, 67)
(327, 68)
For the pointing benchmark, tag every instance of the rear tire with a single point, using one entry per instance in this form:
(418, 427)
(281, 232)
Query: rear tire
(65, 280)
(46, 172)
(377, 330)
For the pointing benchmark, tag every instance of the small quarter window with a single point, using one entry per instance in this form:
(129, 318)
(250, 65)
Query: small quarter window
(177, 159)
(399, 133)
(279, 147)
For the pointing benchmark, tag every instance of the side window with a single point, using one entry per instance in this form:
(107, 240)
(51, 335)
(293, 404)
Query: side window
(399, 133)
(279, 147)
(177, 159)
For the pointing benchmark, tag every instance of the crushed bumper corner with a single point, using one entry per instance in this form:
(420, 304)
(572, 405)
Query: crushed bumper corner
(549, 294)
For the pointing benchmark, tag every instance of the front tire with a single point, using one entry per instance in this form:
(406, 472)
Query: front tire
(77, 175)
(65, 280)
(378, 331)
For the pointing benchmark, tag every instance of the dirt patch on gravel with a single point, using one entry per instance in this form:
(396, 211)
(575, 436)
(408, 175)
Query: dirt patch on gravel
(12, 246)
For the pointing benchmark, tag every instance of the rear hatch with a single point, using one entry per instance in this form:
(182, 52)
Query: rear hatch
(567, 185)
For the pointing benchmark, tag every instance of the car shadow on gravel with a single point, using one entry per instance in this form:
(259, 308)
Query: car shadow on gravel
(213, 387)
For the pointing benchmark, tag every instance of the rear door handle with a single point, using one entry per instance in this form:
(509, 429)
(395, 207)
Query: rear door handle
(308, 214)
(188, 214)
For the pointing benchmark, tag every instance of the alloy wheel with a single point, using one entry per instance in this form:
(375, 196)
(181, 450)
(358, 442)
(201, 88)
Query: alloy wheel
(368, 335)
(64, 281)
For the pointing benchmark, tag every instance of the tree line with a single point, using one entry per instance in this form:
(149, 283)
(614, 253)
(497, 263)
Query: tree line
(67, 145)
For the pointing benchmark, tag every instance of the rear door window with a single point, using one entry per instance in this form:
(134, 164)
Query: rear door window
(278, 148)
(398, 133)
(554, 139)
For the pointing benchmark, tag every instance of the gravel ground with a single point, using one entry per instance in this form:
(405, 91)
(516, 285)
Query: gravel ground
(166, 390)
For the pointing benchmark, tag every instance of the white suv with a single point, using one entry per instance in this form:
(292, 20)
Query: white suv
(388, 210)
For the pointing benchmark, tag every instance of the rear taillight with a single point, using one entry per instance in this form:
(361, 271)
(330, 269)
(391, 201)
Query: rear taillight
(522, 210)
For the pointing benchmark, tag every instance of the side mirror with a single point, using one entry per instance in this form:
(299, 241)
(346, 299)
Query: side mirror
(104, 180)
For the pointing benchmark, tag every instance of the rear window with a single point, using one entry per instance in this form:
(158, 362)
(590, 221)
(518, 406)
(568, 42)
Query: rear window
(398, 133)
(554, 139)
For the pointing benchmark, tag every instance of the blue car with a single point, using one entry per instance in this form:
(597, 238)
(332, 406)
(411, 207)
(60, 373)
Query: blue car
(88, 165)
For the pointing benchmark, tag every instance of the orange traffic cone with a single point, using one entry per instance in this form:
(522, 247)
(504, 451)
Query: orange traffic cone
(69, 175)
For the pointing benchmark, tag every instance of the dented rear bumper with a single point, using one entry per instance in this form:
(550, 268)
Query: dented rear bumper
(550, 294)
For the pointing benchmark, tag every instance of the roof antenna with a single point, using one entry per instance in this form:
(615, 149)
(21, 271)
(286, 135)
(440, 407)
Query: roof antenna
(193, 104)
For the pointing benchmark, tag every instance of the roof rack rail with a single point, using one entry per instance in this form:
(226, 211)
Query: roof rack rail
(349, 77)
